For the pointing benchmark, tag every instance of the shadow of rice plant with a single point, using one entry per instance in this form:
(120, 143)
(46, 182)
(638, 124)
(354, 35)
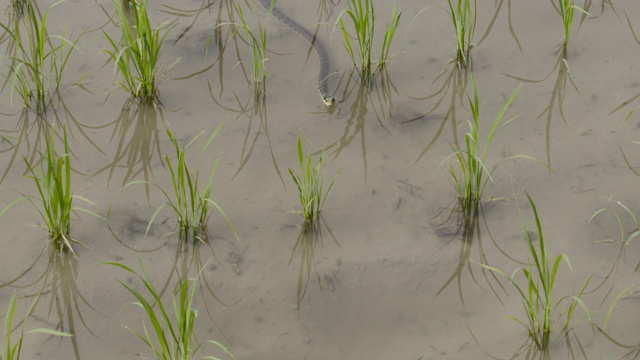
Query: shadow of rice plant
(137, 139)
(452, 92)
(588, 4)
(193, 14)
(308, 241)
(635, 97)
(58, 283)
(26, 137)
(254, 111)
(369, 100)
(558, 93)
(574, 349)
(498, 4)
(465, 224)
(21, 140)
(219, 38)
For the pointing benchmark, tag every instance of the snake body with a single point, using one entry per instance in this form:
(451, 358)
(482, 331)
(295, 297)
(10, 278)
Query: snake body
(323, 87)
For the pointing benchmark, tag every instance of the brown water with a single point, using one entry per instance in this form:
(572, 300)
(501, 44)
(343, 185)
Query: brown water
(380, 289)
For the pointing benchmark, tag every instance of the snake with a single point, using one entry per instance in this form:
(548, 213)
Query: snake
(323, 73)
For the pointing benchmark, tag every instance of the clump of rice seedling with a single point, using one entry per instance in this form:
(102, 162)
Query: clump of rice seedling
(566, 9)
(191, 206)
(310, 186)
(137, 55)
(463, 15)
(258, 44)
(362, 15)
(53, 181)
(472, 176)
(36, 64)
(537, 292)
(13, 351)
(175, 339)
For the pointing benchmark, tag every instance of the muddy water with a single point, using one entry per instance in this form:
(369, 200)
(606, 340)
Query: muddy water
(390, 277)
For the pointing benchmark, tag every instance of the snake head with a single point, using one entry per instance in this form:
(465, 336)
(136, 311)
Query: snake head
(328, 100)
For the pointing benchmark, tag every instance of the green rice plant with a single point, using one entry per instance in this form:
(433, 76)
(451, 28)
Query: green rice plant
(258, 44)
(566, 9)
(473, 175)
(137, 55)
(363, 18)
(537, 292)
(170, 340)
(389, 34)
(191, 206)
(37, 64)
(53, 181)
(13, 351)
(464, 16)
(310, 185)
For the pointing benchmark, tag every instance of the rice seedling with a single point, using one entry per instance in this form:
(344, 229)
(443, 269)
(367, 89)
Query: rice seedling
(37, 64)
(258, 44)
(191, 206)
(13, 351)
(363, 18)
(537, 294)
(310, 185)
(53, 181)
(473, 174)
(389, 34)
(137, 55)
(463, 16)
(170, 340)
(498, 6)
(566, 9)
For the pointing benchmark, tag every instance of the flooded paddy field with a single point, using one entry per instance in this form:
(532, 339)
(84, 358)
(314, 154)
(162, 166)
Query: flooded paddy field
(394, 269)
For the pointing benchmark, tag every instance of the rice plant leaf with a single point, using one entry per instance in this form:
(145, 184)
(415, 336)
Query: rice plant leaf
(49, 332)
